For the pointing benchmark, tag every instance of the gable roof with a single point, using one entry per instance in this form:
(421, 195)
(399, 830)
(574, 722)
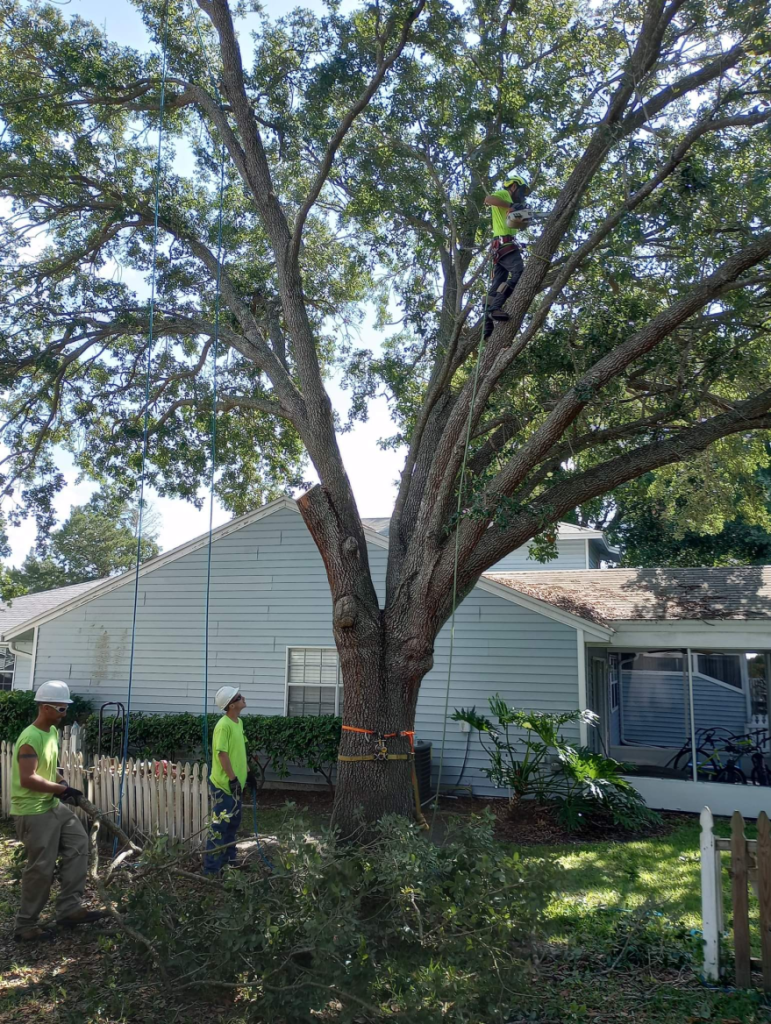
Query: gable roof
(606, 596)
(67, 598)
(32, 606)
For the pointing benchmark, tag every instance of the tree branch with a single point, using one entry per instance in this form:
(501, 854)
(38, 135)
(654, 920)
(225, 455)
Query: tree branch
(384, 65)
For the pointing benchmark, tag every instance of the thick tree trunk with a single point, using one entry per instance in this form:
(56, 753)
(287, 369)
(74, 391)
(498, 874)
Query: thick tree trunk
(381, 682)
(384, 656)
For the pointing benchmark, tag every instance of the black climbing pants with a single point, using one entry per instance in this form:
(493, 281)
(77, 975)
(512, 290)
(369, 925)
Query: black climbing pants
(508, 271)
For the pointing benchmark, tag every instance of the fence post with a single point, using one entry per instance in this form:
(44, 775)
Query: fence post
(741, 906)
(711, 897)
(764, 895)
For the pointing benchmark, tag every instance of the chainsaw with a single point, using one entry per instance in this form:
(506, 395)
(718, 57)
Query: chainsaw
(521, 216)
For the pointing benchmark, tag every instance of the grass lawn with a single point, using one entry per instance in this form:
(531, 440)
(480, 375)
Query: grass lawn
(620, 951)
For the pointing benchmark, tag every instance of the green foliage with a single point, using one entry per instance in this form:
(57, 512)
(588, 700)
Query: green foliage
(626, 938)
(399, 927)
(713, 512)
(530, 756)
(97, 540)
(278, 741)
(18, 710)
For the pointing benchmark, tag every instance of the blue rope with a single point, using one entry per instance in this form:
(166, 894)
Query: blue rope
(215, 353)
(151, 326)
(461, 482)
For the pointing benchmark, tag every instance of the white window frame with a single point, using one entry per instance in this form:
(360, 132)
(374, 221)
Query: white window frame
(311, 647)
(5, 648)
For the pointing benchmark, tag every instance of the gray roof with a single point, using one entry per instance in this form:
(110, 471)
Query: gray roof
(379, 525)
(612, 595)
(31, 605)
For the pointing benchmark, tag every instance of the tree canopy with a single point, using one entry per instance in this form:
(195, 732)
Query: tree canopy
(97, 540)
(359, 148)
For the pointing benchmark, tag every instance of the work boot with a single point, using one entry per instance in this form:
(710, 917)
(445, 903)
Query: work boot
(81, 916)
(35, 933)
(498, 314)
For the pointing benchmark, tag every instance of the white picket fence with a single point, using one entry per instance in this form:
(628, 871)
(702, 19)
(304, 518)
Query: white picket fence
(160, 798)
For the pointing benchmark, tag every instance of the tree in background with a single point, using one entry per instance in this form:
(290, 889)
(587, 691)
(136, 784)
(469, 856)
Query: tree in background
(704, 514)
(359, 148)
(97, 540)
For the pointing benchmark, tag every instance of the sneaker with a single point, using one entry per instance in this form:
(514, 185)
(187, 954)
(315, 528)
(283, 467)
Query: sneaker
(81, 916)
(35, 933)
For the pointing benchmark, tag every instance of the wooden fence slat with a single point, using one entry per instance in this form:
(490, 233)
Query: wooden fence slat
(711, 897)
(146, 800)
(196, 822)
(764, 894)
(178, 804)
(170, 799)
(741, 907)
(187, 809)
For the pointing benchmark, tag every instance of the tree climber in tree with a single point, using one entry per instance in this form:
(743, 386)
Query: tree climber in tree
(507, 206)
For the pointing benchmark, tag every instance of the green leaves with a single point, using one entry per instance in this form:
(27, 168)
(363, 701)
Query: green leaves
(530, 756)
(397, 927)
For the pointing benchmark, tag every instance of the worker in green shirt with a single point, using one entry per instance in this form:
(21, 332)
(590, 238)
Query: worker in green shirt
(229, 774)
(47, 828)
(508, 210)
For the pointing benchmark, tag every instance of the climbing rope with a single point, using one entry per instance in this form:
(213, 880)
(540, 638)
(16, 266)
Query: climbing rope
(459, 509)
(213, 431)
(145, 431)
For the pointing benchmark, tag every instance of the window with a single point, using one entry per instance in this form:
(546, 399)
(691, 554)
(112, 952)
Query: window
(313, 682)
(726, 668)
(7, 663)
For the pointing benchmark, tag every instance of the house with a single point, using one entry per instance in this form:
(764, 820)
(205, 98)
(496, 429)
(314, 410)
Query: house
(658, 654)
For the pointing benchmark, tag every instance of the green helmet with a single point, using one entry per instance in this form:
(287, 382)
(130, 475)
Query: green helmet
(516, 178)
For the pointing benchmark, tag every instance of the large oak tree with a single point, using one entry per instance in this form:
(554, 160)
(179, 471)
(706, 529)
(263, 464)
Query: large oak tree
(359, 147)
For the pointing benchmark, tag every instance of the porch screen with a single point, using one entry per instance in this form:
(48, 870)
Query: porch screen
(7, 662)
(314, 686)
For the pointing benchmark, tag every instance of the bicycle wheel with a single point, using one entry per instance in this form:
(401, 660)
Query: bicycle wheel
(732, 775)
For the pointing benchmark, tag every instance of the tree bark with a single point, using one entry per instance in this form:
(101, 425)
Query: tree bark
(381, 679)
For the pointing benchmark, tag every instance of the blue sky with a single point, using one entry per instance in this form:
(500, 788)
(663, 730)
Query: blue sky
(373, 472)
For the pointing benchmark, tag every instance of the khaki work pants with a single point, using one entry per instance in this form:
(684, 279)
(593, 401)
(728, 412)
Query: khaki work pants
(56, 833)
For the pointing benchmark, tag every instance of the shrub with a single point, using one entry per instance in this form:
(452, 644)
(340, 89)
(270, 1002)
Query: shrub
(398, 927)
(279, 741)
(541, 764)
(18, 710)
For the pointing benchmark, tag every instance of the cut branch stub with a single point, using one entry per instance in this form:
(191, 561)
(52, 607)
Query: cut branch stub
(345, 611)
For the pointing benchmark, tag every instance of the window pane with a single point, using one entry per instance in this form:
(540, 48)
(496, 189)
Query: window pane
(311, 700)
(724, 667)
(7, 662)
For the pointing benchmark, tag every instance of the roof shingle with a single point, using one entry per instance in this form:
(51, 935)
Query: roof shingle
(608, 595)
(21, 609)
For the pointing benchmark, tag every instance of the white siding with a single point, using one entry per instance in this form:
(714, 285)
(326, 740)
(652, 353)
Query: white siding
(572, 555)
(269, 592)
(655, 710)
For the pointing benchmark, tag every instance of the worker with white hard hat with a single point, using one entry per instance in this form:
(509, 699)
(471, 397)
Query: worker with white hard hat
(229, 774)
(48, 829)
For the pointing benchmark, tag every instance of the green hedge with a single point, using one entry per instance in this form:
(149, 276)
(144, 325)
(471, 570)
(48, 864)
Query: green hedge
(279, 741)
(18, 710)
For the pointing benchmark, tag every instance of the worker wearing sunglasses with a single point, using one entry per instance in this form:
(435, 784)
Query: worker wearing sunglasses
(49, 830)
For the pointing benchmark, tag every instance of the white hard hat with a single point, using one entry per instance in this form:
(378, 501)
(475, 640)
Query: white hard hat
(53, 691)
(224, 695)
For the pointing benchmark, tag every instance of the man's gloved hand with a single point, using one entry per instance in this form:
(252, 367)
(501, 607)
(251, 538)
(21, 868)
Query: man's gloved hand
(235, 789)
(251, 781)
(70, 795)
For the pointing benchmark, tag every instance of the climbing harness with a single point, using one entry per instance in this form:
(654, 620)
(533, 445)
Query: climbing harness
(381, 754)
(501, 246)
(145, 431)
